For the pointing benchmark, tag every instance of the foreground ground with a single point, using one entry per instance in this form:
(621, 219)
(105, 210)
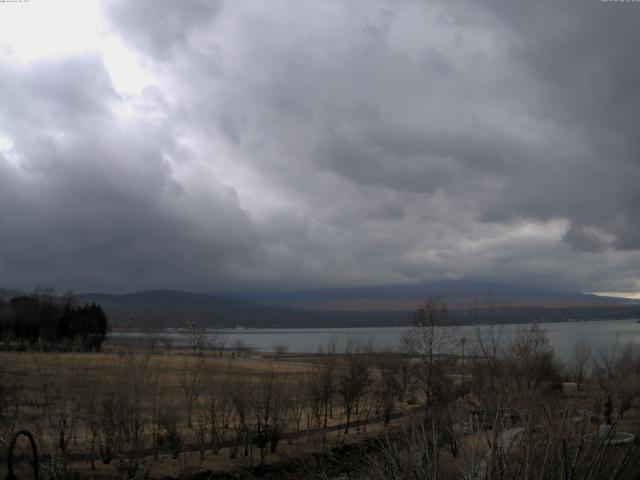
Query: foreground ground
(179, 413)
(133, 413)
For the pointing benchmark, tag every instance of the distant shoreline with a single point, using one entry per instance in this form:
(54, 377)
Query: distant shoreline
(405, 324)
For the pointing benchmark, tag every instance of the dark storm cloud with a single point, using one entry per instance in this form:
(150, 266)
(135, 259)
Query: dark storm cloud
(329, 143)
(405, 158)
(581, 59)
(93, 203)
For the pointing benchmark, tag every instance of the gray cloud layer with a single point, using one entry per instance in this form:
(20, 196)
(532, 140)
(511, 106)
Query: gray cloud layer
(330, 143)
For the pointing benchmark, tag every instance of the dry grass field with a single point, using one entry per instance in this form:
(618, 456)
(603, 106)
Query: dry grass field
(129, 413)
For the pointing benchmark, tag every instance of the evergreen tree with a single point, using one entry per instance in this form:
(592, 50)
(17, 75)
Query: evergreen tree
(49, 320)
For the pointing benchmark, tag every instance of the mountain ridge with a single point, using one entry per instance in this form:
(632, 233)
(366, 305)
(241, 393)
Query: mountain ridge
(474, 293)
(469, 302)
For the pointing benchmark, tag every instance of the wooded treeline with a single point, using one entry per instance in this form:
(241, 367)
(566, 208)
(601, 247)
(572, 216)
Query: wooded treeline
(46, 321)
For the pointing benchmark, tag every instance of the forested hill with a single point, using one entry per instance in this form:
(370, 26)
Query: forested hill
(169, 308)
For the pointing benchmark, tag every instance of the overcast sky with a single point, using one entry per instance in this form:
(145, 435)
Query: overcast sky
(212, 145)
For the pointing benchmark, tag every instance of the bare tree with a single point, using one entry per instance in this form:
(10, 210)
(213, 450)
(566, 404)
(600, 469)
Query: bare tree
(196, 337)
(430, 334)
(330, 347)
(191, 383)
(58, 413)
(242, 348)
(217, 341)
(579, 361)
(240, 399)
(486, 363)
(167, 342)
(270, 413)
(450, 424)
(113, 410)
(411, 453)
(298, 399)
(168, 426)
(279, 349)
(352, 378)
(531, 359)
(387, 386)
(618, 373)
(548, 444)
(321, 384)
(128, 403)
(152, 341)
(218, 406)
(87, 412)
(160, 402)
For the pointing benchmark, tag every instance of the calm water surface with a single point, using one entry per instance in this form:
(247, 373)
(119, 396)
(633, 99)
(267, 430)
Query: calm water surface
(602, 335)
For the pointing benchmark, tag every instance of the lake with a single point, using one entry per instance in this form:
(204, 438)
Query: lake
(563, 336)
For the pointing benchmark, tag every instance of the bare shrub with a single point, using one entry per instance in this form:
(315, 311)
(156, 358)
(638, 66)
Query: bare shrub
(279, 349)
(10, 401)
(551, 446)
(120, 416)
(217, 341)
(618, 373)
(242, 348)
